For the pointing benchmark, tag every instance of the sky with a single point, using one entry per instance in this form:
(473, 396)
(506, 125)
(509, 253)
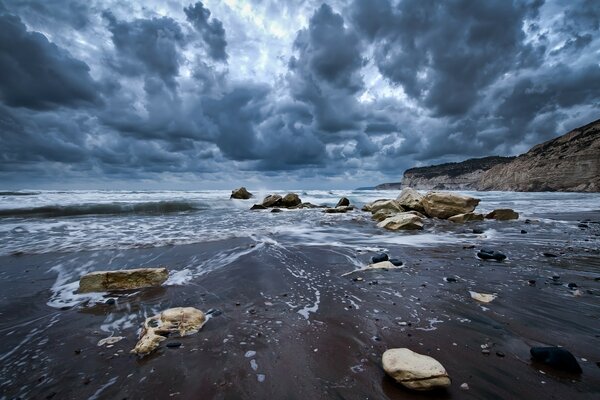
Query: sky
(283, 94)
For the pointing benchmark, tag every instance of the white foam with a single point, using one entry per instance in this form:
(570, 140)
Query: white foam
(311, 309)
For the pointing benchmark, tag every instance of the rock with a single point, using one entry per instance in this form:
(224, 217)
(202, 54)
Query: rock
(343, 202)
(338, 210)
(478, 231)
(380, 215)
(240, 193)
(502, 214)
(272, 200)
(385, 265)
(127, 279)
(258, 207)
(174, 345)
(379, 258)
(397, 262)
(410, 199)
(290, 200)
(110, 340)
(367, 207)
(402, 221)
(486, 254)
(464, 386)
(413, 370)
(556, 357)
(389, 205)
(523, 231)
(450, 279)
(551, 255)
(482, 297)
(182, 320)
(276, 210)
(444, 205)
(462, 218)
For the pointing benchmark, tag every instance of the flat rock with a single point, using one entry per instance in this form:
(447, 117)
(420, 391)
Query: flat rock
(486, 254)
(402, 221)
(127, 279)
(462, 218)
(444, 205)
(503, 214)
(180, 320)
(415, 371)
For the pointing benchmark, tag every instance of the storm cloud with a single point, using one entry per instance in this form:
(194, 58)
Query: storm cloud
(312, 94)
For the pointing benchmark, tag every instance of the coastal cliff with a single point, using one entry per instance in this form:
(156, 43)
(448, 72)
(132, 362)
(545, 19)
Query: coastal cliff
(569, 163)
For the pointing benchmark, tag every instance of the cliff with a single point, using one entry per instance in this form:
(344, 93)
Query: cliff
(450, 176)
(569, 163)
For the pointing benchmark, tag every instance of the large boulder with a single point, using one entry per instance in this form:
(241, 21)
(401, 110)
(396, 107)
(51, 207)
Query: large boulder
(410, 199)
(181, 320)
(241, 193)
(389, 205)
(462, 218)
(402, 221)
(290, 200)
(444, 205)
(128, 279)
(415, 371)
(272, 200)
(503, 214)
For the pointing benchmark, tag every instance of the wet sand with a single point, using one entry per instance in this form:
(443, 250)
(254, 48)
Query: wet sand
(289, 326)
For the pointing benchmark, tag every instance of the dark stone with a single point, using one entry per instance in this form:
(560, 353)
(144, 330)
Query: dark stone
(451, 279)
(531, 282)
(290, 200)
(174, 345)
(527, 221)
(153, 323)
(396, 262)
(523, 231)
(477, 231)
(110, 302)
(486, 254)
(582, 226)
(379, 258)
(344, 202)
(572, 285)
(214, 312)
(549, 255)
(258, 207)
(555, 277)
(240, 193)
(556, 357)
(276, 210)
(500, 354)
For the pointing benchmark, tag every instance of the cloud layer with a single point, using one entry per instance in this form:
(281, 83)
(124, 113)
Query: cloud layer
(336, 94)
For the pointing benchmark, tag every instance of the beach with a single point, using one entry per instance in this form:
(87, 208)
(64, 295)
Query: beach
(284, 322)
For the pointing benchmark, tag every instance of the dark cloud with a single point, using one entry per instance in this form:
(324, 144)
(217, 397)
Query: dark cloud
(445, 53)
(35, 73)
(147, 46)
(212, 32)
(49, 12)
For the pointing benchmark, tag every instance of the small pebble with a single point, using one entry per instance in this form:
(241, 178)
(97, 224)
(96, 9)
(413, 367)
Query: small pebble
(485, 351)
(523, 231)
(549, 255)
(500, 354)
(531, 282)
(464, 386)
(450, 279)
(174, 345)
(572, 285)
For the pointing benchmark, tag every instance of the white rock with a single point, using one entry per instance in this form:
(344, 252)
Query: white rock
(415, 371)
(483, 297)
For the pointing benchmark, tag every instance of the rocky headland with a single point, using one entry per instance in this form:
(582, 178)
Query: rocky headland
(569, 163)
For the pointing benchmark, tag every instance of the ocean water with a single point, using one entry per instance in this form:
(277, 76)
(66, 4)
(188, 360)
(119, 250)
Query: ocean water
(34, 222)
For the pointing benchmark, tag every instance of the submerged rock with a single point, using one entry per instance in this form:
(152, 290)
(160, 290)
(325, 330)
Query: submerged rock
(105, 281)
(258, 207)
(410, 199)
(338, 210)
(181, 320)
(240, 193)
(503, 214)
(415, 371)
(402, 221)
(556, 357)
(343, 202)
(486, 254)
(444, 205)
(462, 218)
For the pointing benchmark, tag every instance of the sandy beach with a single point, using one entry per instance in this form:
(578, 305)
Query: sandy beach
(285, 323)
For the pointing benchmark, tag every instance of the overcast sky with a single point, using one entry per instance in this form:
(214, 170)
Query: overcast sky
(289, 94)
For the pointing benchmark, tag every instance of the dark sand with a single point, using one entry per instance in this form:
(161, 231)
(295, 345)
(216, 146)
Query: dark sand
(335, 354)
